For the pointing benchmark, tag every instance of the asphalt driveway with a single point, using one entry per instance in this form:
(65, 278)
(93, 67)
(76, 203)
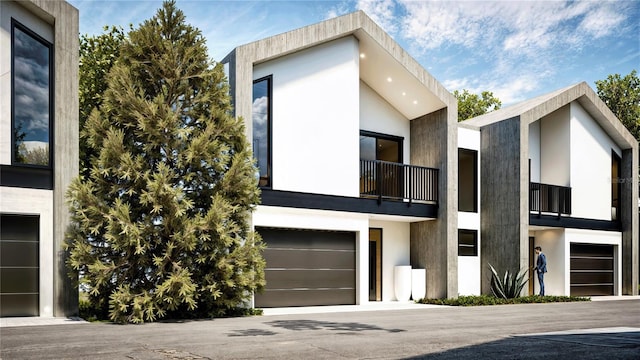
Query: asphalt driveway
(587, 330)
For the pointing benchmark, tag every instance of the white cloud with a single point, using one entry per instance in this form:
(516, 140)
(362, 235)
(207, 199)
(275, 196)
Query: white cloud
(513, 48)
(383, 12)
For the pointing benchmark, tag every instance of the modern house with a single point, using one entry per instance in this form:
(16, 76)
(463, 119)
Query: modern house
(362, 164)
(560, 171)
(38, 154)
(363, 167)
(356, 146)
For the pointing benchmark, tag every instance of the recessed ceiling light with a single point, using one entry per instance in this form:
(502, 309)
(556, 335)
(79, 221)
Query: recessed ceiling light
(389, 79)
(415, 102)
(404, 93)
(362, 56)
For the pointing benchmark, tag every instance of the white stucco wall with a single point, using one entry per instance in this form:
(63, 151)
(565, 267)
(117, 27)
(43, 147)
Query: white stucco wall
(556, 245)
(8, 10)
(534, 150)
(325, 220)
(377, 115)
(590, 166)
(555, 137)
(315, 140)
(395, 251)
(20, 201)
(594, 237)
(553, 245)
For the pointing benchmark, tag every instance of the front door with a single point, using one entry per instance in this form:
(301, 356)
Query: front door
(532, 264)
(375, 264)
(382, 174)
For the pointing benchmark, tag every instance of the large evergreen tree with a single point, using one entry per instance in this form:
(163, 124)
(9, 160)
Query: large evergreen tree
(97, 56)
(160, 227)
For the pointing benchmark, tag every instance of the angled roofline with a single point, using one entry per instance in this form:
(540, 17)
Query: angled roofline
(532, 110)
(242, 59)
(357, 23)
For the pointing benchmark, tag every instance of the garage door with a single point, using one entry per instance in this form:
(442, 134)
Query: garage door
(592, 270)
(307, 268)
(19, 280)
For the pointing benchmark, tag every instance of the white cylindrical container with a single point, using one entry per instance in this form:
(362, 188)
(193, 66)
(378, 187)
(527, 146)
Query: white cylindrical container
(418, 283)
(402, 282)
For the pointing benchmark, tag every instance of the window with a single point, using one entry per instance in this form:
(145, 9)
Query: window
(616, 186)
(467, 180)
(261, 118)
(31, 100)
(467, 243)
(374, 146)
(377, 176)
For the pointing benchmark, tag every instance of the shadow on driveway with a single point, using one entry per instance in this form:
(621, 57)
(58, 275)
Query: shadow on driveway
(327, 325)
(613, 343)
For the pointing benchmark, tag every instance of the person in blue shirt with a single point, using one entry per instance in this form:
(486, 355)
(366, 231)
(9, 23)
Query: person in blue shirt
(541, 268)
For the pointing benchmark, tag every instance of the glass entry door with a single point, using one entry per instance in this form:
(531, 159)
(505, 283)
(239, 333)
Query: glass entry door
(381, 172)
(375, 264)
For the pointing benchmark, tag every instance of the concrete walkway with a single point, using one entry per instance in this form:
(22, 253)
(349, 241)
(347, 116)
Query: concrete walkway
(39, 321)
(371, 306)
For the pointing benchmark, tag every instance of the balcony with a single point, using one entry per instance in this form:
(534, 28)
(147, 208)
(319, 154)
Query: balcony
(393, 181)
(545, 198)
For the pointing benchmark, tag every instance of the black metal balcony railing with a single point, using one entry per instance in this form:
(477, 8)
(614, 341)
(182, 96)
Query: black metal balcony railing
(388, 180)
(545, 198)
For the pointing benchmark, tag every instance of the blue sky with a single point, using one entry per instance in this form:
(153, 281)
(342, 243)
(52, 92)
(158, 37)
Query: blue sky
(517, 49)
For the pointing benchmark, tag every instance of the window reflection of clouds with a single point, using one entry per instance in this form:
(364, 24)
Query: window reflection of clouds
(260, 115)
(31, 93)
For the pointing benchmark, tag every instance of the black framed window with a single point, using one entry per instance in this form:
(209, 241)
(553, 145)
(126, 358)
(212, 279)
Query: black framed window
(31, 97)
(467, 180)
(616, 186)
(467, 242)
(261, 119)
(383, 147)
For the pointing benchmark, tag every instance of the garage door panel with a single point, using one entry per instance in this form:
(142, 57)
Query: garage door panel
(19, 261)
(591, 264)
(16, 280)
(281, 298)
(19, 305)
(307, 268)
(313, 279)
(592, 269)
(19, 227)
(305, 239)
(18, 253)
(591, 290)
(309, 259)
(591, 278)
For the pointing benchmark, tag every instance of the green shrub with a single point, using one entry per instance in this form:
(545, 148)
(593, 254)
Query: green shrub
(508, 286)
(482, 300)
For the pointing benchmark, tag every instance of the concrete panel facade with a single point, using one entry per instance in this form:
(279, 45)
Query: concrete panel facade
(629, 219)
(503, 216)
(60, 298)
(434, 244)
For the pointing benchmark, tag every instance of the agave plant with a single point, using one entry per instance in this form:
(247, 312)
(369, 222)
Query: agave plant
(508, 286)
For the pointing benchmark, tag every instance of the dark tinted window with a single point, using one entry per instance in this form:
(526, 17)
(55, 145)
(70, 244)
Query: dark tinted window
(31, 98)
(261, 116)
(467, 243)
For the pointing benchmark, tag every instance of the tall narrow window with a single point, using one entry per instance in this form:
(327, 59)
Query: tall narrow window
(615, 186)
(261, 117)
(31, 100)
(467, 180)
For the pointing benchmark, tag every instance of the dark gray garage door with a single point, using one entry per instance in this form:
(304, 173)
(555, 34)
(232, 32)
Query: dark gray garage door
(307, 268)
(19, 279)
(592, 270)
